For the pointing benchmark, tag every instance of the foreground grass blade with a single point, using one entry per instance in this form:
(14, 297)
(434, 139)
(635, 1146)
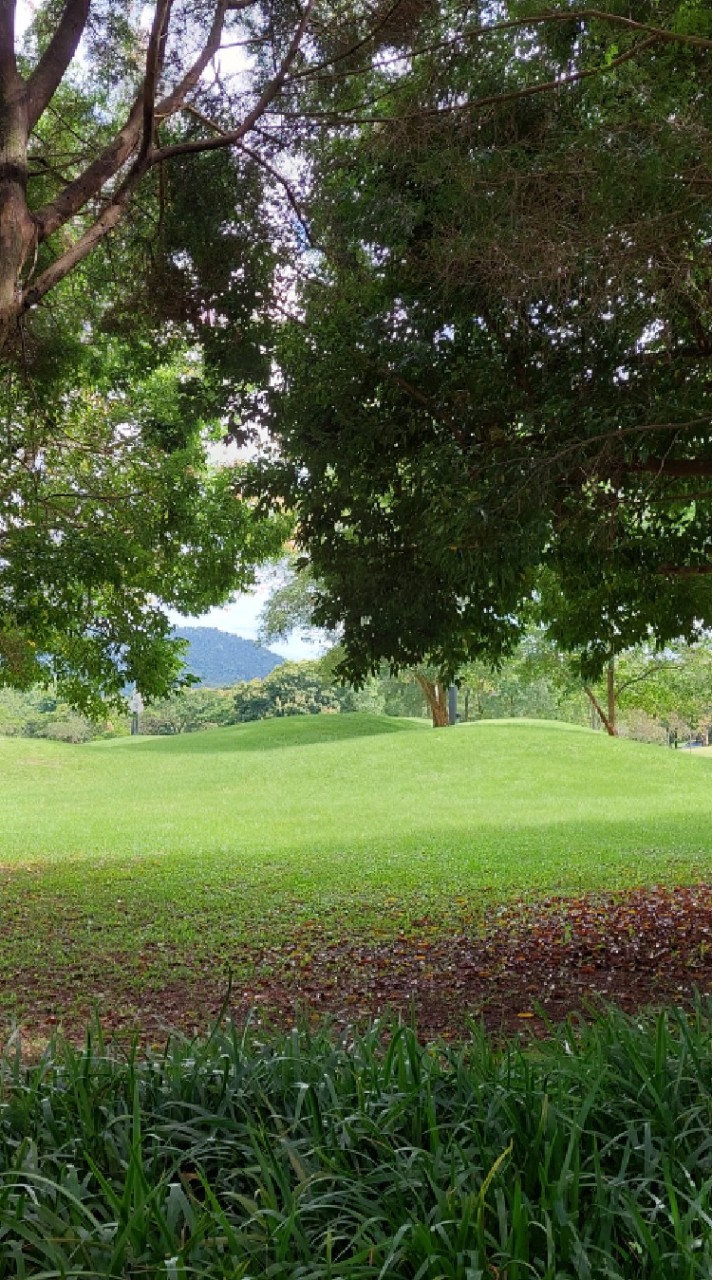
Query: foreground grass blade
(309, 1158)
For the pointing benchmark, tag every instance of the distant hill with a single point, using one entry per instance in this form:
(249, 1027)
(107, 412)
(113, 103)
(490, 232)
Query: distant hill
(218, 658)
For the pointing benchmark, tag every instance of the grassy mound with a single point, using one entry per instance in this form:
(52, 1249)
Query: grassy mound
(134, 873)
(306, 1157)
(350, 800)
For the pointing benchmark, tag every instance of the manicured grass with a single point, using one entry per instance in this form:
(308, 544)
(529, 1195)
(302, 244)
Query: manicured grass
(146, 858)
(309, 1159)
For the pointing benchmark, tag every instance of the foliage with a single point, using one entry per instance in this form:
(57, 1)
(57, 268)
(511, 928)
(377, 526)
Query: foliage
(380, 1156)
(125, 345)
(189, 711)
(289, 607)
(498, 359)
(113, 508)
(675, 683)
(38, 713)
(107, 518)
(537, 680)
(439, 452)
(292, 689)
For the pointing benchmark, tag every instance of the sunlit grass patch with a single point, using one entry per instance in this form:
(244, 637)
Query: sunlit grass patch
(130, 865)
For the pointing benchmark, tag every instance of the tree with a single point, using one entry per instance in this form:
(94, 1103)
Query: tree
(105, 104)
(189, 711)
(111, 511)
(292, 689)
(673, 687)
(124, 344)
(149, 111)
(499, 359)
(130, 148)
(135, 139)
(291, 606)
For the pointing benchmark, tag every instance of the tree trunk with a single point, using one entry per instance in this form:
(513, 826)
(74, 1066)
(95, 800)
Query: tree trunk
(17, 227)
(609, 725)
(611, 695)
(436, 698)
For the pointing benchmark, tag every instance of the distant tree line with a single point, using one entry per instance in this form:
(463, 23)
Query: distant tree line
(654, 697)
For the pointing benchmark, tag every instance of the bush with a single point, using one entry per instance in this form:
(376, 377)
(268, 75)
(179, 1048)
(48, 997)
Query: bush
(72, 728)
(643, 728)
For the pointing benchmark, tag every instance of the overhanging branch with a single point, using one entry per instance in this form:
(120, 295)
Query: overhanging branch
(95, 177)
(269, 93)
(47, 76)
(145, 158)
(684, 570)
(677, 467)
(599, 15)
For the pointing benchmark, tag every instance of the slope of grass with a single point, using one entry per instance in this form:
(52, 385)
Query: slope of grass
(147, 858)
(307, 794)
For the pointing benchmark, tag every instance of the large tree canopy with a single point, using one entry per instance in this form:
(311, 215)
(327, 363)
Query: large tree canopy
(500, 356)
(492, 223)
(100, 99)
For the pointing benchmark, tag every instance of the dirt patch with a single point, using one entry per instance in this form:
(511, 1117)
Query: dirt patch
(531, 963)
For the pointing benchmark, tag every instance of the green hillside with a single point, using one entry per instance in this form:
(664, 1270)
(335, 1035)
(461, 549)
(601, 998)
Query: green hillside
(146, 857)
(219, 658)
(507, 803)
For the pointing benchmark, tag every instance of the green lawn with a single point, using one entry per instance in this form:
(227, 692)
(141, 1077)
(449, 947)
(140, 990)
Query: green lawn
(144, 856)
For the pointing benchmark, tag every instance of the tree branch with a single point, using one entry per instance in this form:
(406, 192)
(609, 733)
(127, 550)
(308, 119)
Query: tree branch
(9, 77)
(145, 158)
(611, 437)
(547, 86)
(89, 183)
(154, 63)
(190, 110)
(599, 711)
(645, 675)
(598, 15)
(105, 223)
(494, 99)
(285, 185)
(684, 570)
(77, 193)
(700, 495)
(269, 93)
(380, 26)
(680, 467)
(175, 99)
(45, 79)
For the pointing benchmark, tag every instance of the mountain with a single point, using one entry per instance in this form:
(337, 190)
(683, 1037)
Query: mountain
(219, 658)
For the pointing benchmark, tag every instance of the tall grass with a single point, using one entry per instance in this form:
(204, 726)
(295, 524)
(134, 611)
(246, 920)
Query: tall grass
(586, 1156)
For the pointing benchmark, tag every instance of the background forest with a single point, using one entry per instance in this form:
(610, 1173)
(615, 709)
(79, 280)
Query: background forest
(660, 698)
